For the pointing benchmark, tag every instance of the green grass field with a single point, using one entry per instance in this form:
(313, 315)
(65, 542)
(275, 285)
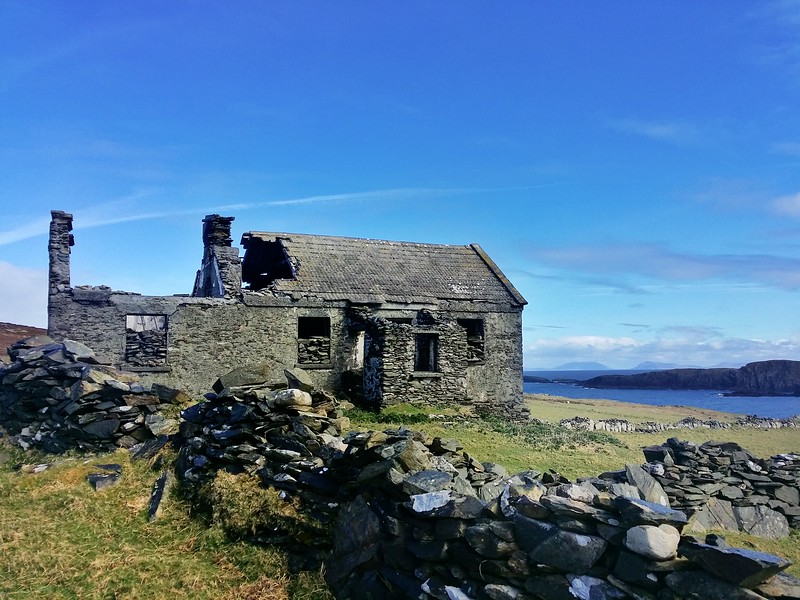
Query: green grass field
(61, 539)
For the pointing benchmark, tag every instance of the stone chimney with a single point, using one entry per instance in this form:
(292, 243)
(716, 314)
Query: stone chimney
(59, 247)
(220, 275)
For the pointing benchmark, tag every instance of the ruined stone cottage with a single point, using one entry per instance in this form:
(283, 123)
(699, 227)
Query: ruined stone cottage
(385, 321)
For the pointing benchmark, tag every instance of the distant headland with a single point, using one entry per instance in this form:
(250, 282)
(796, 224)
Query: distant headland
(763, 378)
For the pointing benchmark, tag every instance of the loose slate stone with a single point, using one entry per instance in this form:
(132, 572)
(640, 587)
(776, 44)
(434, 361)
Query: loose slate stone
(102, 429)
(781, 585)
(426, 481)
(568, 551)
(100, 481)
(635, 570)
(633, 592)
(531, 532)
(761, 521)
(641, 512)
(585, 587)
(299, 379)
(716, 514)
(739, 566)
(496, 591)
(160, 490)
(698, 584)
(484, 540)
(551, 587)
(430, 501)
(650, 489)
(580, 510)
(150, 448)
(357, 533)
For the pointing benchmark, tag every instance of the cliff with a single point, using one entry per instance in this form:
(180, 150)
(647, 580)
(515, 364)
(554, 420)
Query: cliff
(764, 378)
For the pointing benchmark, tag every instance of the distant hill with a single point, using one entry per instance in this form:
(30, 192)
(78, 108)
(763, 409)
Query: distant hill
(764, 378)
(10, 333)
(581, 366)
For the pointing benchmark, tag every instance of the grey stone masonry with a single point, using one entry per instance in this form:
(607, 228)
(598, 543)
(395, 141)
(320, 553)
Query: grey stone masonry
(221, 272)
(59, 248)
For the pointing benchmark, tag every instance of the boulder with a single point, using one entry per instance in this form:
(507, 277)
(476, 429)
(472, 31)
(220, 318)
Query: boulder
(656, 543)
(299, 379)
(292, 397)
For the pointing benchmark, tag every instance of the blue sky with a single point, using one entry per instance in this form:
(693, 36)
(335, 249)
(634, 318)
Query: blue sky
(633, 167)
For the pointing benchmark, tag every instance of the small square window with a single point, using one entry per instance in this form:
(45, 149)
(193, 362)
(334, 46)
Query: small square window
(313, 340)
(146, 340)
(475, 338)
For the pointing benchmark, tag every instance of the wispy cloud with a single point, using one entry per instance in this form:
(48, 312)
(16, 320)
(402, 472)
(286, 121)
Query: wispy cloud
(787, 205)
(684, 346)
(673, 132)
(657, 262)
(778, 22)
(26, 230)
(786, 148)
(128, 208)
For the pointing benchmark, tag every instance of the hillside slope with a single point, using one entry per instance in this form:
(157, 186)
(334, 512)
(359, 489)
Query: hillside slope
(10, 333)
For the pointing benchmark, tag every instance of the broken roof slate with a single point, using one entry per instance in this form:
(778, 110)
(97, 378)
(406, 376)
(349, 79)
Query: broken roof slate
(378, 271)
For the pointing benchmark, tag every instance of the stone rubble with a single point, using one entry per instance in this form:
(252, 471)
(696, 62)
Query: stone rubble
(720, 485)
(55, 396)
(400, 515)
(396, 514)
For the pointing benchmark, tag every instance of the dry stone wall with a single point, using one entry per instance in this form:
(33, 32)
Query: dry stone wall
(723, 486)
(399, 515)
(55, 396)
(623, 425)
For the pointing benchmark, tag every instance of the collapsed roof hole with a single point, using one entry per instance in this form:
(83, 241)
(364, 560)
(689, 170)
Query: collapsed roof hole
(264, 262)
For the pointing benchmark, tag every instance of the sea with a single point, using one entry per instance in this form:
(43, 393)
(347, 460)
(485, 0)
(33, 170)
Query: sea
(567, 384)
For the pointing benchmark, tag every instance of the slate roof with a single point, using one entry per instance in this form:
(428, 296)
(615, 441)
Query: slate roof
(378, 271)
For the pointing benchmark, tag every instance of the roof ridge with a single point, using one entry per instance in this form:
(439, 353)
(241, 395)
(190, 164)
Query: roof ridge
(280, 234)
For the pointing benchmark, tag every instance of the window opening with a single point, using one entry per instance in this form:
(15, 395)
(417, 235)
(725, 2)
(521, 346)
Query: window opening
(427, 352)
(146, 340)
(313, 340)
(475, 338)
(400, 320)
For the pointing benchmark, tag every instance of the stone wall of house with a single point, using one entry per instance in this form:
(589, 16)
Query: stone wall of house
(206, 337)
(495, 380)
(490, 382)
(400, 382)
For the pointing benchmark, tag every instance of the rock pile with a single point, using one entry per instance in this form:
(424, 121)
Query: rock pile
(400, 515)
(723, 486)
(55, 396)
